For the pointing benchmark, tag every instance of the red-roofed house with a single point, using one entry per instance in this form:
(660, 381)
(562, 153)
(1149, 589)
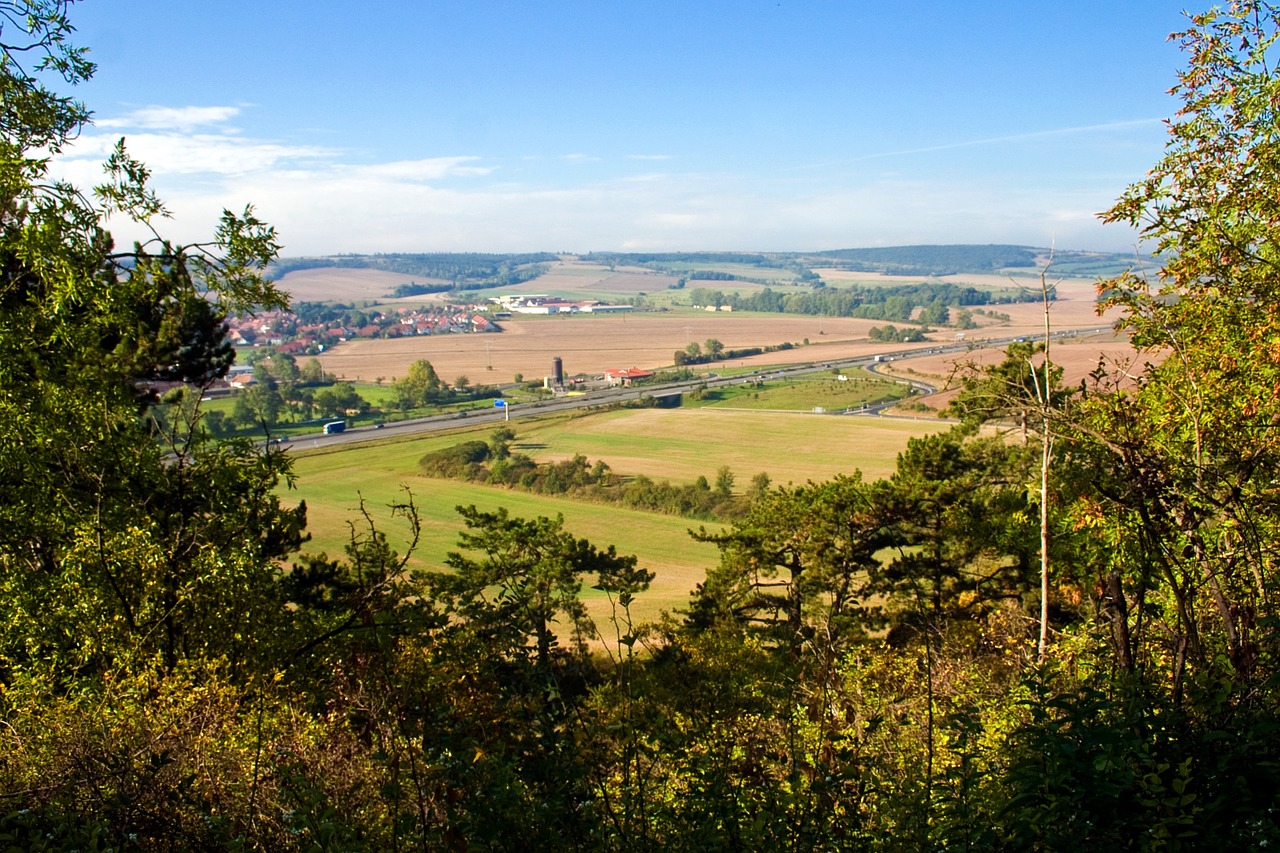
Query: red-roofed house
(626, 377)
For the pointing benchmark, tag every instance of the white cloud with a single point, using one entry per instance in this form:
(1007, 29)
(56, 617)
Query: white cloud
(184, 119)
(429, 169)
(166, 139)
(174, 154)
(322, 202)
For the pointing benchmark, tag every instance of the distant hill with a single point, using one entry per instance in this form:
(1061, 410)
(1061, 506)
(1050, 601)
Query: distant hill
(923, 260)
(464, 269)
(469, 270)
(977, 259)
(930, 260)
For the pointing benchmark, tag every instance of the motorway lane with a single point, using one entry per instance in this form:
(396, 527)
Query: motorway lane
(604, 397)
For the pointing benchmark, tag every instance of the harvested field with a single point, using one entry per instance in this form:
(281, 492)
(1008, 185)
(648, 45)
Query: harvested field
(592, 344)
(1077, 356)
(333, 284)
(588, 344)
(575, 279)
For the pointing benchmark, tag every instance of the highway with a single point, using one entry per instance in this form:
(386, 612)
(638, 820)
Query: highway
(609, 396)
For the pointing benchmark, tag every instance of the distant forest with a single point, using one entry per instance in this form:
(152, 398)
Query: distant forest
(660, 258)
(891, 302)
(465, 270)
(932, 260)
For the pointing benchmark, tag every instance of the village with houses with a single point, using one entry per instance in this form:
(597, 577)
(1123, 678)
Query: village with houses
(313, 328)
(291, 333)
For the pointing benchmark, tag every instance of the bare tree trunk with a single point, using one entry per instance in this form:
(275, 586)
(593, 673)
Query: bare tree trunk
(1046, 456)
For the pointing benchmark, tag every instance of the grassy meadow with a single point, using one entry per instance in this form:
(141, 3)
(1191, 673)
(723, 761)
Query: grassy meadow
(677, 445)
(804, 394)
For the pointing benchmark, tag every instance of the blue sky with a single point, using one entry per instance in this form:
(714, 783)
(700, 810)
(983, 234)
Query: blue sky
(577, 126)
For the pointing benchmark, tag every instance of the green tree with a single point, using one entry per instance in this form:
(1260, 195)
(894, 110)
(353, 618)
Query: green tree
(960, 516)
(724, 482)
(420, 386)
(338, 399)
(500, 442)
(527, 578)
(284, 367)
(258, 405)
(1018, 388)
(312, 372)
(128, 539)
(796, 567)
(1185, 455)
(935, 314)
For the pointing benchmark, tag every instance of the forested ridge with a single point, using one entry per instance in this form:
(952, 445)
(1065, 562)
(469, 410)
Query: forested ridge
(463, 270)
(1054, 632)
(891, 260)
(471, 270)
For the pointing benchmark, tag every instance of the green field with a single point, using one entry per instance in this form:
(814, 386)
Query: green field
(678, 445)
(381, 397)
(683, 444)
(806, 394)
(333, 484)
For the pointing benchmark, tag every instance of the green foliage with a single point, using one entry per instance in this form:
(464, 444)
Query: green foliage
(855, 673)
(579, 478)
(796, 567)
(420, 386)
(963, 527)
(128, 537)
(460, 460)
(1183, 458)
(894, 335)
(1020, 387)
(338, 399)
